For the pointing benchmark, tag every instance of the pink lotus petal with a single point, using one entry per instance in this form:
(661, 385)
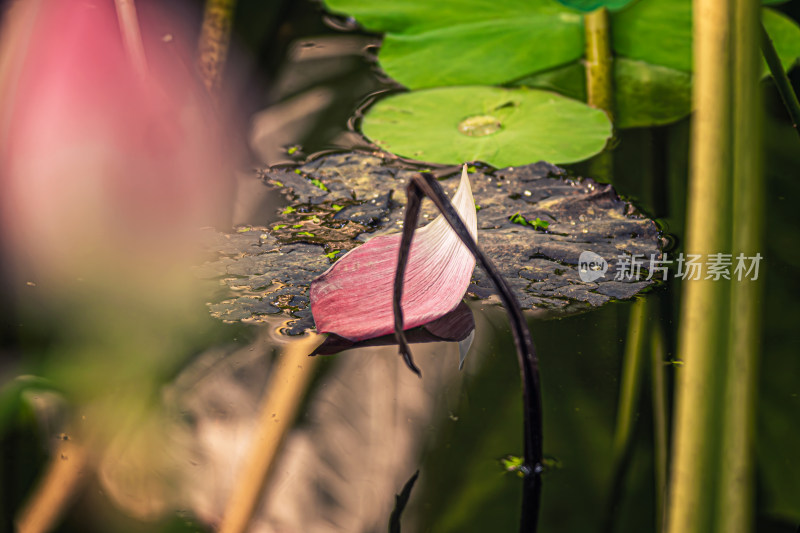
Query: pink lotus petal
(353, 298)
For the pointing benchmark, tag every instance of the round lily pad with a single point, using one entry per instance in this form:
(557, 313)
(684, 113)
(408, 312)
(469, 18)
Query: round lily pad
(503, 127)
(534, 223)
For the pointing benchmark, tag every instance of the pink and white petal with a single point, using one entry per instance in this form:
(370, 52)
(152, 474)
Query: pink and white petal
(353, 298)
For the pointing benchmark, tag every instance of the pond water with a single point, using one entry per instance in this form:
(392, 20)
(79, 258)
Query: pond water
(465, 422)
(365, 424)
(470, 420)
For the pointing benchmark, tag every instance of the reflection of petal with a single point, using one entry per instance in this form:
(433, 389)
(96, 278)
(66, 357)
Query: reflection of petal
(353, 298)
(456, 326)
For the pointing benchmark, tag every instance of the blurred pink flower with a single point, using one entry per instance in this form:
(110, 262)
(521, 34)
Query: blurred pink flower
(353, 298)
(100, 159)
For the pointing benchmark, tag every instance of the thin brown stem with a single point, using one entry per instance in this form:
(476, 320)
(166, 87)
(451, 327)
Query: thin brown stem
(285, 390)
(215, 37)
(57, 488)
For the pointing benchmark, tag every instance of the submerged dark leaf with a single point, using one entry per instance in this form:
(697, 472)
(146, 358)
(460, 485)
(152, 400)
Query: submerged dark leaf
(271, 267)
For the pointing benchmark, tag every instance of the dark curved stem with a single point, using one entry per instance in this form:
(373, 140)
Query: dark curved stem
(409, 224)
(425, 184)
(400, 501)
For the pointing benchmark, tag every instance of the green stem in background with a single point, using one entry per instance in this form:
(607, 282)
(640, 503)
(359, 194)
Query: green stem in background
(629, 393)
(782, 82)
(658, 353)
(599, 62)
(215, 37)
(703, 328)
(735, 512)
(711, 481)
(599, 81)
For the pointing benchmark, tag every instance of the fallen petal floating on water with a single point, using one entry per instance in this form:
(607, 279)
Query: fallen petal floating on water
(353, 298)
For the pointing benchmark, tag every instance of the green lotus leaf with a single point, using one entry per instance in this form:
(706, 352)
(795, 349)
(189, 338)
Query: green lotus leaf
(658, 32)
(569, 80)
(785, 35)
(503, 127)
(591, 5)
(431, 44)
(650, 95)
(645, 94)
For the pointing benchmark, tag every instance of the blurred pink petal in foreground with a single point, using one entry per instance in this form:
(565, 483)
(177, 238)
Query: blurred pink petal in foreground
(353, 298)
(100, 159)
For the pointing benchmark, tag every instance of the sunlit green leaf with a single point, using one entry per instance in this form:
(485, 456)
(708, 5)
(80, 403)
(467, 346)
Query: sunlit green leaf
(431, 44)
(319, 185)
(503, 127)
(536, 223)
(785, 35)
(658, 32)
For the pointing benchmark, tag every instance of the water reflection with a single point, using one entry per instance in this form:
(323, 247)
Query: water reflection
(365, 423)
(456, 326)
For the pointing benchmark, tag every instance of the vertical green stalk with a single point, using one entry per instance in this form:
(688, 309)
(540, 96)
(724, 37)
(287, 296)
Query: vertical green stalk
(660, 420)
(711, 486)
(629, 393)
(735, 513)
(215, 37)
(600, 79)
(631, 379)
(599, 61)
(703, 330)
